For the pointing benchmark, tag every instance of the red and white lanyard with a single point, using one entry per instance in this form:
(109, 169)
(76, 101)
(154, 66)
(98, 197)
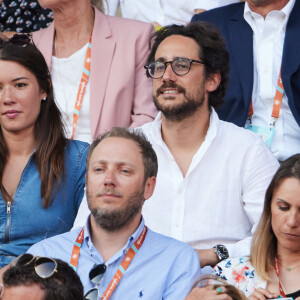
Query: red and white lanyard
(82, 86)
(276, 105)
(122, 268)
(277, 273)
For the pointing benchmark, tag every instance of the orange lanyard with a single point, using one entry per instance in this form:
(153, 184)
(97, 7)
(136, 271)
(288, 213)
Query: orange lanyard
(122, 268)
(82, 86)
(277, 102)
(277, 273)
(76, 249)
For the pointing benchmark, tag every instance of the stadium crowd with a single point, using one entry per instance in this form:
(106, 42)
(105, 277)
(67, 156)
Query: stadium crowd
(150, 156)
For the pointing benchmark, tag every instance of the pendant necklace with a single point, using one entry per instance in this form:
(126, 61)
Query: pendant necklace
(289, 268)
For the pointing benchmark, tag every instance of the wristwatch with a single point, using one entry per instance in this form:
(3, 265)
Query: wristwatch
(221, 252)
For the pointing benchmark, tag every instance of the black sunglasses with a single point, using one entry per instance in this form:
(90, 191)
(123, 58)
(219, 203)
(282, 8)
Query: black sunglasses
(92, 294)
(95, 275)
(44, 267)
(21, 40)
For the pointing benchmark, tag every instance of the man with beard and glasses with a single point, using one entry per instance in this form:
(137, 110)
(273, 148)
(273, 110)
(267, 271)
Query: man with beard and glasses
(116, 256)
(264, 88)
(212, 175)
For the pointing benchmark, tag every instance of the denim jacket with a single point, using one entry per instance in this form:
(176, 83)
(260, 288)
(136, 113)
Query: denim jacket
(25, 222)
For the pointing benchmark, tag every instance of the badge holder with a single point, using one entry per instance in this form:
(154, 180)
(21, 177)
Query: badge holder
(266, 133)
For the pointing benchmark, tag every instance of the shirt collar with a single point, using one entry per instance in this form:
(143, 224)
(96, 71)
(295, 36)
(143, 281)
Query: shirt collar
(87, 239)
(213, 125)
(214, 122)
(155, 130)
(250, 16)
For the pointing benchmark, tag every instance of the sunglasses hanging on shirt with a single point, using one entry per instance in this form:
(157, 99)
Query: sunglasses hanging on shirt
(95, 275)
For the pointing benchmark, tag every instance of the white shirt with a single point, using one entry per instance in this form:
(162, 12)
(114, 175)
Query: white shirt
(220, 199)
(268, 40)
(164, 12)
(66, 75)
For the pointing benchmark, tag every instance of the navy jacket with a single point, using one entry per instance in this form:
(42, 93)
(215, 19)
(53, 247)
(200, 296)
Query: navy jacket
(239, 42)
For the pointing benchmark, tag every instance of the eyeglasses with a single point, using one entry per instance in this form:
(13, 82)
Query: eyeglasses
(95, 275)
(21, 40)
(180, 66)
(44, 267)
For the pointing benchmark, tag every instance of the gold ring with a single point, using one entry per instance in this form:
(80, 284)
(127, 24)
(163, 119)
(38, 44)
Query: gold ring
(219, 290)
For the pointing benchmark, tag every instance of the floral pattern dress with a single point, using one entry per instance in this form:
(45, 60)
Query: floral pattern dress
(240, 273)
(23, 16)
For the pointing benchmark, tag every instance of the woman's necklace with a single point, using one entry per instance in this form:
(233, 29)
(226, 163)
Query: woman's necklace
(289, 268)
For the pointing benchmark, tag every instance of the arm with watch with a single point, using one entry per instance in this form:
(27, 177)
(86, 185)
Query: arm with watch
(258, 170)
(210, 257)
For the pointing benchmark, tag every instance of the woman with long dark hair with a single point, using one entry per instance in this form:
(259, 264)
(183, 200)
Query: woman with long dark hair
(41, 172)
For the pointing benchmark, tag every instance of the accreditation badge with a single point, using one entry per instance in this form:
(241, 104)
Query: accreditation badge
(266, 133)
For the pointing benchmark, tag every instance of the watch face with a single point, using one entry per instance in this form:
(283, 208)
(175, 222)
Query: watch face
(222, 252)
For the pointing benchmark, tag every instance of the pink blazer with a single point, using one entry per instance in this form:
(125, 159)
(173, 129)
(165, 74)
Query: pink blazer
(121, 94)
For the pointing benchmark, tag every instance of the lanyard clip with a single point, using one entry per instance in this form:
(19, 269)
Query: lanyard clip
(250, 119)
(273, 121)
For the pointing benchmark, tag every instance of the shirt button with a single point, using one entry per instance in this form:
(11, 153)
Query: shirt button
(179, 191)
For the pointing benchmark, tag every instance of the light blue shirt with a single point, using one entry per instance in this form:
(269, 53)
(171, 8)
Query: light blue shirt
(163, 268)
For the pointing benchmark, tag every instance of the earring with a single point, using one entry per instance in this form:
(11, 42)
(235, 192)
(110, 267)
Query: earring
(44, 99)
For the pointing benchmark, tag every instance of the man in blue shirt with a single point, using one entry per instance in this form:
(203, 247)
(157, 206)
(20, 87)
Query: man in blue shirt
(114, 251)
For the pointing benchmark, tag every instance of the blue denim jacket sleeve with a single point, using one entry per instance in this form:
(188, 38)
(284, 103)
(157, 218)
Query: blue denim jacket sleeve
(79, 171)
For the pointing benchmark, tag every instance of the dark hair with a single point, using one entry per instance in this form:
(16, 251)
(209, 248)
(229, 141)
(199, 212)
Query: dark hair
(148, 154)
(64, 284)
(212, 52)
(264, 242)
(49, 130)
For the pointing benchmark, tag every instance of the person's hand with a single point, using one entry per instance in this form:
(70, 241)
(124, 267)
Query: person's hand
(207, 293)
(262, 294)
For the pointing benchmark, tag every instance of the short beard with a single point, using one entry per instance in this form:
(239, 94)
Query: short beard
(114, 220)
(180, 111)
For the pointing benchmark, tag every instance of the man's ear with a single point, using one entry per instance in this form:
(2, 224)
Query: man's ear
(213, 82)
(149, 187)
